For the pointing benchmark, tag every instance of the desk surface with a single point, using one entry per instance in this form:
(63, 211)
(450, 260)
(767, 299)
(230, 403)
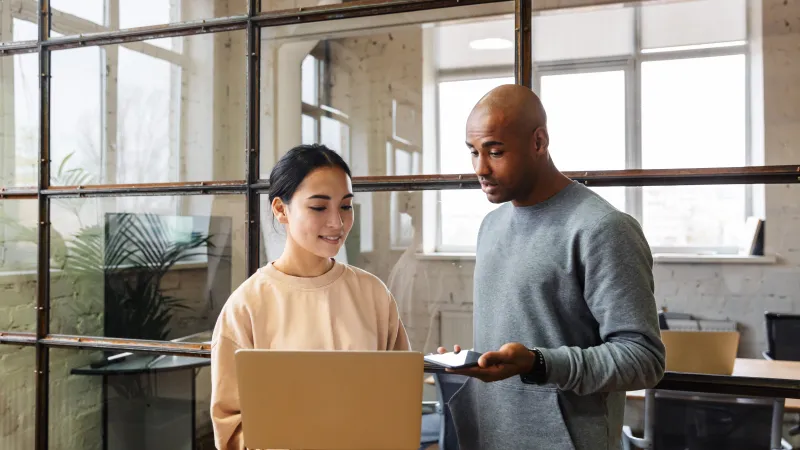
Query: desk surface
(759, 368)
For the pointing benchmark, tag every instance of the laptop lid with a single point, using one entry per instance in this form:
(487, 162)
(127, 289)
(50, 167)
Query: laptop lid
(320, 400)
(707, 352)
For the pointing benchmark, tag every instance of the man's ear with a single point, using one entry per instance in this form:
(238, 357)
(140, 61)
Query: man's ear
(280, 210)
(541, 139)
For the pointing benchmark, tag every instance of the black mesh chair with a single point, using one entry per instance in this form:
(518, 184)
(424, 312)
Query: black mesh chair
(447, 384)
(687, 421)
(783, 333)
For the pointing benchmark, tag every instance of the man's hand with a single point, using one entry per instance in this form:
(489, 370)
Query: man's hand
(510, 360)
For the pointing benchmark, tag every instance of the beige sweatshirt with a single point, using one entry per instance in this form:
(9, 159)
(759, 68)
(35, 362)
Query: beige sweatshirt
(344, 309)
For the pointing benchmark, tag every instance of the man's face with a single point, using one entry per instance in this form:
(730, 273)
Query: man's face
(502, 156)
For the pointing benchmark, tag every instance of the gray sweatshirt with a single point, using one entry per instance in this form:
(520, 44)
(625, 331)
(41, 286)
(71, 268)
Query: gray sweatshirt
(573, 277)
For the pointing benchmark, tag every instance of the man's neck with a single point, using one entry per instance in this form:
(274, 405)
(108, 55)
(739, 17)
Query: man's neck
(548, 184)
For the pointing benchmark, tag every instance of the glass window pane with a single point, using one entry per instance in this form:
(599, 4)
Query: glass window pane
(75, 13)
(373, 84)
(17, 397)
(129, 259)
(335, 135)
(309, 130)
(19, 29)
(143, 13)
(148, 112)
(708, 95)
(137, 114)
(18, 256)
(694, 216)
(462, 212)
(695, 22)
(158, 402)
(310, 80)
(85, 16)
(278, 5)
(19, 120)
(597, 33)
(75, 116)
(594, 103)
(456, 100)
(402, 165)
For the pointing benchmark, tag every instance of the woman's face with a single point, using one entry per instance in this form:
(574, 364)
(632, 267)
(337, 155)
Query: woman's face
(320, 214)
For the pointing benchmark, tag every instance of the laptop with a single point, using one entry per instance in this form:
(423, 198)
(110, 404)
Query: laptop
(325, 400)
(706, 352)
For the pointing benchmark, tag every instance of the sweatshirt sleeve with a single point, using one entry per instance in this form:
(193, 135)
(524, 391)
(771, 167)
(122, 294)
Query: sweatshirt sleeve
(231, 333)
(226, 415)
(617, 267)
(398, 337)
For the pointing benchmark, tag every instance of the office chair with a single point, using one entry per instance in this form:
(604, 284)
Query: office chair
(447, 384)
(783, 332)
(710, 422)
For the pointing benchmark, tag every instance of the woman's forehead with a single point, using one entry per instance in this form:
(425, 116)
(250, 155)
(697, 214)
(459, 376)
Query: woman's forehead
(327, 180)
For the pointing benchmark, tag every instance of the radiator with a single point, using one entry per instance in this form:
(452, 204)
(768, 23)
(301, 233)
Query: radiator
(455, 327)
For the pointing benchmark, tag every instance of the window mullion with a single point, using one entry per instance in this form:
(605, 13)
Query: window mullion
(110, 105)
(634, 195)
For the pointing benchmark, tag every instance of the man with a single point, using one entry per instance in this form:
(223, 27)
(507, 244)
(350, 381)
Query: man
(563, 303)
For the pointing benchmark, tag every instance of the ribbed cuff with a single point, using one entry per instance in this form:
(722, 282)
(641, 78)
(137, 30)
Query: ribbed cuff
(557, 362)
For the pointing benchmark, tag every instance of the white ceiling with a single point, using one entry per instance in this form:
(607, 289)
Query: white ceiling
(453, 49)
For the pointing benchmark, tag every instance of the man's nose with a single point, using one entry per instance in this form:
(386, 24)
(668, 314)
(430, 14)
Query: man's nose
(481, 166)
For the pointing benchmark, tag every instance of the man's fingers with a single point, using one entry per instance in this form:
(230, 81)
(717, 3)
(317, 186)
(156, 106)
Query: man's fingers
(489, 359)
(456, 349)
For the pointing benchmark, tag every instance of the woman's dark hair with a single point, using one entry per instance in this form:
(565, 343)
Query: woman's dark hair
(295, 166)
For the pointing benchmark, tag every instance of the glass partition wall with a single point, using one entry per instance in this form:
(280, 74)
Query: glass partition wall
(148, 129)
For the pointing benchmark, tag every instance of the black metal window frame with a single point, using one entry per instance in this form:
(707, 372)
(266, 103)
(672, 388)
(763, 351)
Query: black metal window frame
(253, 185)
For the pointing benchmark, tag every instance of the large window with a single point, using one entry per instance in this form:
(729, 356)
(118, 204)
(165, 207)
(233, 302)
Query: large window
(460, 211)
(321, 122)
(114, 113)
(627, 88)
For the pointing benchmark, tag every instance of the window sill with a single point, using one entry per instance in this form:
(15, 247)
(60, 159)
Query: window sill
(444, 256)
(658, 258)
(680, 258)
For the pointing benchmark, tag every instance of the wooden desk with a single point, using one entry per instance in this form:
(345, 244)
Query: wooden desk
(757, 368)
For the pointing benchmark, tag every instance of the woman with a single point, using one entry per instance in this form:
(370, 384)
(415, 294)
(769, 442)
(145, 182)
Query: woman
(304, 300)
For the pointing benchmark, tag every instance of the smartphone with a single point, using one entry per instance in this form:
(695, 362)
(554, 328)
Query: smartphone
(461, 360)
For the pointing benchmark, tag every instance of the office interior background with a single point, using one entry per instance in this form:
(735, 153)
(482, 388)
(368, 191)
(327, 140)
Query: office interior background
(136, 138)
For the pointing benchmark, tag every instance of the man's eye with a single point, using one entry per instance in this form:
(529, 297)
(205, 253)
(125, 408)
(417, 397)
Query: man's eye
(495, 154)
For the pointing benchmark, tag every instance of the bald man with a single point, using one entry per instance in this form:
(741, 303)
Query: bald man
(564, 310)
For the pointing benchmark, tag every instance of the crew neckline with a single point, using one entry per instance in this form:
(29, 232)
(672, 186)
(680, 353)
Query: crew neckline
(563, 193)
(304, 282)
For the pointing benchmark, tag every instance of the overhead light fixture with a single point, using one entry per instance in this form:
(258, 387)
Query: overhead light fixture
(491, 44)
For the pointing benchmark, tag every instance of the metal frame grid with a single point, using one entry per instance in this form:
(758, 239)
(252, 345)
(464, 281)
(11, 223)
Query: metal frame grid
(253, 185)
